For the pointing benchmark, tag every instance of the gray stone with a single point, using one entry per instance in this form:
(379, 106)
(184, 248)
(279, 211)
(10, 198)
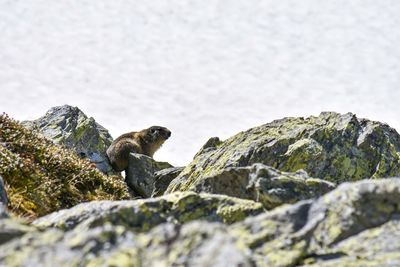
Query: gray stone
(334, 147)
(346, 225)
(3, 193)
(140, 175)
(163, 178)
(356, 224)
(264, 184)
(141, 215)
(69, 126)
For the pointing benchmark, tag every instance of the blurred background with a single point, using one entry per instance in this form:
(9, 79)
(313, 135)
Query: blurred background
(200, 68)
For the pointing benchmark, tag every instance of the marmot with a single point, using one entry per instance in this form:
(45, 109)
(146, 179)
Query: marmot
(146, 142)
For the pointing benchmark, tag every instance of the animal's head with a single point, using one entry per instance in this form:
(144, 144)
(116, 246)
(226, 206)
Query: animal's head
(156, 135)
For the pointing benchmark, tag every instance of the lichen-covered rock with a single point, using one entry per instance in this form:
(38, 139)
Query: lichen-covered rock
(12, 229)
(357, 224)
(336, 228)
(141, 215)
(42, 177)
(140, 175)
(3, 193)
(163, 178)
(262, 183)
(69, 126)
(331, 146)
(194, 244)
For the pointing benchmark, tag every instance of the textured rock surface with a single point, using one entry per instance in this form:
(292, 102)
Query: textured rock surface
(12, 229)
(3, 193)
(71, 127)
(163, 178)
(331, 146)
(264, 184)
(335, 228)
(194, 244)
(356, 224)
(3, 212)
(140, 175)
(141, 215)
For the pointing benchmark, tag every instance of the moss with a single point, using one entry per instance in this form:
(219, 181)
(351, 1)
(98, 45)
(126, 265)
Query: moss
(43, 177)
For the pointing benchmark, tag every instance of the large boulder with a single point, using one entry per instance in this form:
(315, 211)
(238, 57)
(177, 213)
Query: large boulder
(69, 126)
(346, 227)
(140, 175)
(141, 215)
(335, 147)
(3, 193)
(356, 224)
(262, 183)
(193, 244)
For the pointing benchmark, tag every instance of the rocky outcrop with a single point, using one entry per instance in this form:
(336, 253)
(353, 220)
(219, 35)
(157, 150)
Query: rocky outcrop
(69, 126)
(262, 183)
(140, 175)
(227, 210)
(141, 215)
(3, 193)
(354, 225)
(320, 231)
(331, 146)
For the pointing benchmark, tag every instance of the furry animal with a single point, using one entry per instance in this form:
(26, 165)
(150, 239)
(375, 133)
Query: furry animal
(146, 142)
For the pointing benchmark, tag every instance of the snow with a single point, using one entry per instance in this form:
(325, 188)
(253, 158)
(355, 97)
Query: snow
(200, 68)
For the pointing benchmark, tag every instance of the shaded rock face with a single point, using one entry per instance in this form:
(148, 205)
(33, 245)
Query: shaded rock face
(264, 184)
(163, 178)
(3, 193)
(3, 212)
(356, 224)
(140, 174)
(69, 126)
(331, 146)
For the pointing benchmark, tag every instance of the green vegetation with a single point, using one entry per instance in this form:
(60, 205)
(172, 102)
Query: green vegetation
(42, 177)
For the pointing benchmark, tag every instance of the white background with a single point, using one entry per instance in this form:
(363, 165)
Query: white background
(201, 68)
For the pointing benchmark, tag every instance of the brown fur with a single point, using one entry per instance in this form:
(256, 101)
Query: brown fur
(146, 142)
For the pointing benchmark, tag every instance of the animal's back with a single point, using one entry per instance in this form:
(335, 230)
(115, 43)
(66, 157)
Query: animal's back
(118, 152)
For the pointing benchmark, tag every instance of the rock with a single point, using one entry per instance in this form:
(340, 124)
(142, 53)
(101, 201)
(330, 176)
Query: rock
(69, 126)
(140, 175)
(195, 244)
(332, 146)
(3, 211)
(163, 178)
(11, 229)
(141, 215)
(356, 224)
(347, 225)
(264, 184)
(3, 193)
